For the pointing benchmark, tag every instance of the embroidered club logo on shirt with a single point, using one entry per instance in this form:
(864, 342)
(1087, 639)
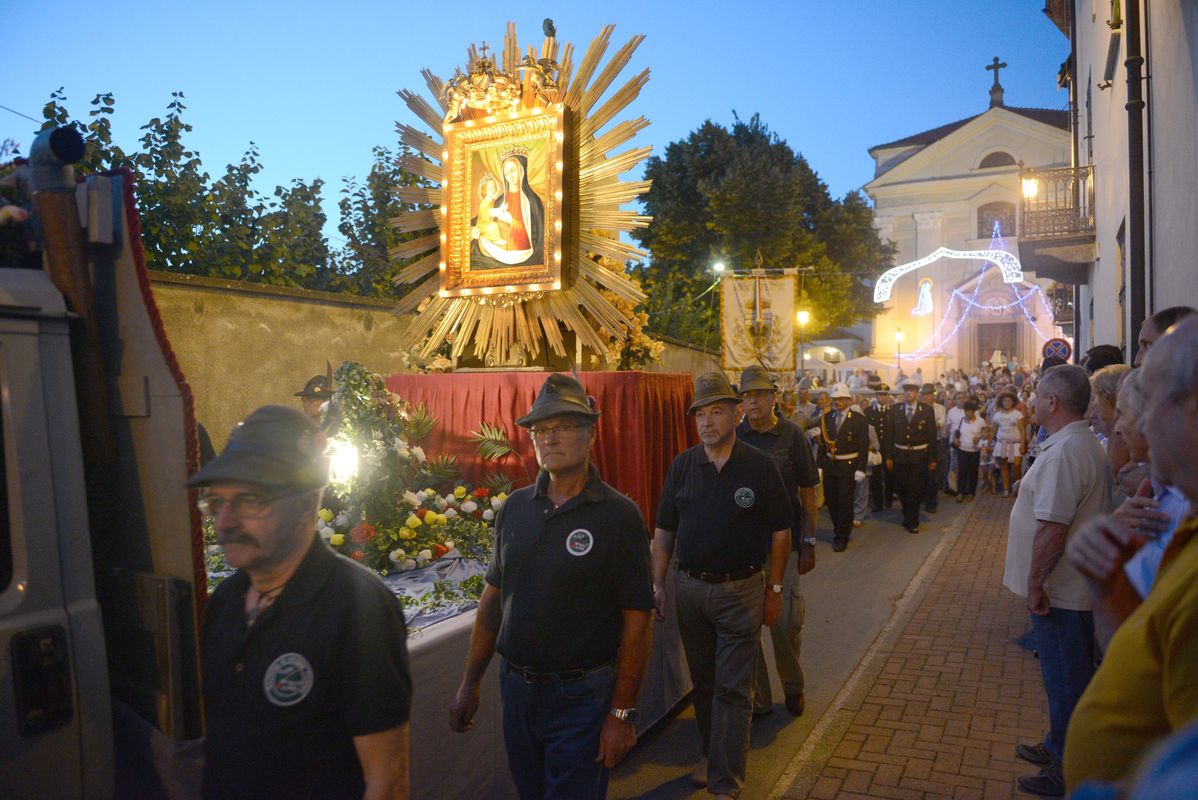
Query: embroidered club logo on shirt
(579, 542)
(288, 679)
(744, 497)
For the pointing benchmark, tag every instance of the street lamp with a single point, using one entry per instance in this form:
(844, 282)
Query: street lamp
(718, 267)
(898, 349)
(1030, 187)
(803, 317)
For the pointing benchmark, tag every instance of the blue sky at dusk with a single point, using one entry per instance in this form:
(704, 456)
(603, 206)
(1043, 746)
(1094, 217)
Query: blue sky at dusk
(313, 84)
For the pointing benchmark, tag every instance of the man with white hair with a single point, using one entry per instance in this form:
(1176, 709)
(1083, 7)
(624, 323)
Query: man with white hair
(1069, 484)
(1147, 686)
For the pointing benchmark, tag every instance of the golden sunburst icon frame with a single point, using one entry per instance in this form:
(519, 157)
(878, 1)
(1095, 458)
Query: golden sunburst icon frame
(586, 265)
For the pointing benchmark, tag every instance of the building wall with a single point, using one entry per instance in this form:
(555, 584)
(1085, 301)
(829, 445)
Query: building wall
(932, 200)
(242, 345)
(1170, 39)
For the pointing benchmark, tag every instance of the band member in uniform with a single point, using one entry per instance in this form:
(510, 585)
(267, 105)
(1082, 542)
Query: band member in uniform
(911, 451)
(881, 482)
(844, 451)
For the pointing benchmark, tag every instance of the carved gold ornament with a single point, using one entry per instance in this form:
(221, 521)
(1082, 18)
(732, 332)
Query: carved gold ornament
(522, 237)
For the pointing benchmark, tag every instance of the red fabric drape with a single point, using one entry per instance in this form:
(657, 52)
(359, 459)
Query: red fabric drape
(643, 424)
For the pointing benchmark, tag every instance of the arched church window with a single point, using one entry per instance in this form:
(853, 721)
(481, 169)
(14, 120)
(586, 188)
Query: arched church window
(999, 158)
(1000, 212)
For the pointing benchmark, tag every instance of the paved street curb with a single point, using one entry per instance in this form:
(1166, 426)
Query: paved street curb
(804, 769)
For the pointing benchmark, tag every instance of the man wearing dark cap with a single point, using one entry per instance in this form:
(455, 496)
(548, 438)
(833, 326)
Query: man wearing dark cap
(306, 685)
(783, 441)
(567, 603)
(844, 454)
(315, 394)
(910, 451)
(725, 508)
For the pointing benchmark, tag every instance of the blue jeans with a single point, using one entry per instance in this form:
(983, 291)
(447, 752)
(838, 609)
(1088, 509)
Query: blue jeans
(551, 731)
(1065, 642)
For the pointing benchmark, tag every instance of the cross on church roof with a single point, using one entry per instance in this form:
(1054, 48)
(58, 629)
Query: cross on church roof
(996, 91)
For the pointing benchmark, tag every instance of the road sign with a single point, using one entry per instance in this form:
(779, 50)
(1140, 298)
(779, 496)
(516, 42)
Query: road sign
(1059, 348)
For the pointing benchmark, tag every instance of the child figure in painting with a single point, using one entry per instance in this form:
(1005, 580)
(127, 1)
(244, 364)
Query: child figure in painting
(488, 228)
(986, 464)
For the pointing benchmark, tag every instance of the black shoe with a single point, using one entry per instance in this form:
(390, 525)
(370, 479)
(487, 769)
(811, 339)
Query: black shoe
(1048, 782)
(912, 528)
(839, 545)
(1035, 753)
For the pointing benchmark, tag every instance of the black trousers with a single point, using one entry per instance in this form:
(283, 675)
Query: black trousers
(931, 491)
(838, 497)
(911, 482)
(967, 472)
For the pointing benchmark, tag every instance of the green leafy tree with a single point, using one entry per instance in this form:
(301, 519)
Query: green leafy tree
(724, 195)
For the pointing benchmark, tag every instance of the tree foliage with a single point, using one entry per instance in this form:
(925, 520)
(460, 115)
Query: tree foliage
(722, 195)
(226, 227)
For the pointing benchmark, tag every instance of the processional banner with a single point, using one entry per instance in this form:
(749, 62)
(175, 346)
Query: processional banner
(757, 319)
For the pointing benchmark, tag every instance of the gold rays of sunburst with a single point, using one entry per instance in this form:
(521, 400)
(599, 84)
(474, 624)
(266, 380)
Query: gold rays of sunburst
(594, 255)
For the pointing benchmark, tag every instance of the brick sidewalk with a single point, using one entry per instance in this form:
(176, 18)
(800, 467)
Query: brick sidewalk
(955, 694)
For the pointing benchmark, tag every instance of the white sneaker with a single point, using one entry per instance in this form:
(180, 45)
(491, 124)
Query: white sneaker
(699, 773)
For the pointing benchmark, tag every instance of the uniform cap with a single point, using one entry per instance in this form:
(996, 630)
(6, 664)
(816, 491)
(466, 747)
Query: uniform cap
(910, 387)
(560, 394)
(841, 390)
(275, 447)
(317, 386)
(712, 387)
(927, 388)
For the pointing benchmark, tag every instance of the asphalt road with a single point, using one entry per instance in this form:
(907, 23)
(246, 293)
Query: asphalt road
(850, 597)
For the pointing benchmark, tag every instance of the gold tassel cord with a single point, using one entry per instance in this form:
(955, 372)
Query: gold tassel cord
(419, 195)
(590, 61)
(433, 148)
(423, 168)
(420, 107)
(417, 269)
(415, 220)
(609, 73)
(414, 298)
(618, 102)
(414, 247)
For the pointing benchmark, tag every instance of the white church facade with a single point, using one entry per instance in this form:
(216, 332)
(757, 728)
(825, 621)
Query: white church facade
(954, 187)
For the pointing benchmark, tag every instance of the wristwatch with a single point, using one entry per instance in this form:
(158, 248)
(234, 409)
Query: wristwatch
(627, 715)
(809, 540)
(776, 588)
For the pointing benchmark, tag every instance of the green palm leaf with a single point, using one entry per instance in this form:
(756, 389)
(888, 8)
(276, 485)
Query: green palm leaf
(492, 442)
(421, 423)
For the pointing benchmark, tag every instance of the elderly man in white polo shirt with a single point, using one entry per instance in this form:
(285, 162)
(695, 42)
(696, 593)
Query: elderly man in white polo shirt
(1069, 484)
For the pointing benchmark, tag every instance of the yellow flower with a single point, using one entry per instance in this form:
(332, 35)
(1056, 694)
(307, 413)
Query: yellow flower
(407, 533)
(325, 514)
(413, 521)
(502, 496)
(337, 539)
(459, 491)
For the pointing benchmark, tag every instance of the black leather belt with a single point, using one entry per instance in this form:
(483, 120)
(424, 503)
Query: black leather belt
(722, 577)
(529, 676)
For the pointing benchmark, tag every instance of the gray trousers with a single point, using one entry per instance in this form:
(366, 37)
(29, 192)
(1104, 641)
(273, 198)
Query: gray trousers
(720, 627)
(787, 638)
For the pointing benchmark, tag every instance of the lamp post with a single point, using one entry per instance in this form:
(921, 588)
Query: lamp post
(803, 317)
(898, 350)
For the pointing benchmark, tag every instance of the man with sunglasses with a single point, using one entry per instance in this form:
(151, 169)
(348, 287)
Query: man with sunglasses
(566, 603)
(306, 685)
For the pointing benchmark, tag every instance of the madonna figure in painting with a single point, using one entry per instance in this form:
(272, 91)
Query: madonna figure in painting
(510, 231)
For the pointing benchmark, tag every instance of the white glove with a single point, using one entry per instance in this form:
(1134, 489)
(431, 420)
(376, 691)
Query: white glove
(859, 476)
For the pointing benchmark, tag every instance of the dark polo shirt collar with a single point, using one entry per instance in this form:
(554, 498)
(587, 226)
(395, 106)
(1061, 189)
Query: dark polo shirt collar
(592, 490)
(309, 578)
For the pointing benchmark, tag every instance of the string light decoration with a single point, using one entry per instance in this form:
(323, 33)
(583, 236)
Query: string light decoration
(970, 303)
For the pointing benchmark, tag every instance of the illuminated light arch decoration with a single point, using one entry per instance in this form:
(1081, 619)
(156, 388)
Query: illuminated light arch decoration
(1008, 263)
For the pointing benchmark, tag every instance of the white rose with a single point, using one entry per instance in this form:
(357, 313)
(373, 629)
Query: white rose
(451, 512)
(411, 498)
(440, 504)
(326, 533)
(408, 564)
(341, 520)
(397, 556)
(469, 507)
(488, 515)
(496, 503)
(419, 453)
(449, 545)
(426, 554)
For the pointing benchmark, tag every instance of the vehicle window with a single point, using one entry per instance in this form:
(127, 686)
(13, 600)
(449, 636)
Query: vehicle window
(5, 523)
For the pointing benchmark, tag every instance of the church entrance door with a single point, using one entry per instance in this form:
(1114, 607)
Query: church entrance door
(996, 336)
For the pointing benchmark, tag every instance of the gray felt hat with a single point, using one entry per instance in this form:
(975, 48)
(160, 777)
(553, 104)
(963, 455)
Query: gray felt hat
(560, 394)
(712, 387)
(275, 447)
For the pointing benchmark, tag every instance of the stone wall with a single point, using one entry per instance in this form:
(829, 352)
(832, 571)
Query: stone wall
(245, 345)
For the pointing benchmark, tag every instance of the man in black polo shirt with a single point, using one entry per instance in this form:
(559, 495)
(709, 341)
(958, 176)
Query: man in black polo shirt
(783, 441)
(725, 508)
(306, 684)
(567, 605)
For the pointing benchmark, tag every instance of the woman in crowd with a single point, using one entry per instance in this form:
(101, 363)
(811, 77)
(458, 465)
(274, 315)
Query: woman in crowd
(1104, 391)
(967, 440)
(1011, 440)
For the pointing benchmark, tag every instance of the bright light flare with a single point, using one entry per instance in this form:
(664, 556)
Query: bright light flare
(343, 460)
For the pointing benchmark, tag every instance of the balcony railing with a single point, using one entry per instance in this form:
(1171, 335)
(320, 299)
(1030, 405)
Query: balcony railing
(1057, 203)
